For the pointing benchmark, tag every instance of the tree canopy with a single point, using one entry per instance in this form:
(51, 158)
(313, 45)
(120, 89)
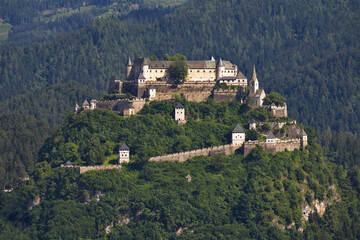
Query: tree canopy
(178, 71)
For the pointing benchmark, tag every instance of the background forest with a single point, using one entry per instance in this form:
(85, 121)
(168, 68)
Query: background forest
(308, 51)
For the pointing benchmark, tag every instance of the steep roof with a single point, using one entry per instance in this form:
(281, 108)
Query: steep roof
(238, 129)
(179, 105)
(129, 62)
(85, 103)
(124, 147)
(270, 135)
(254, 77)
(141, 76)
(221, 64)
(302, 133)
(240, 75)
(252, 120)
(293, 133)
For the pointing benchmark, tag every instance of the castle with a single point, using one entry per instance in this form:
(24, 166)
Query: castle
(149, 80)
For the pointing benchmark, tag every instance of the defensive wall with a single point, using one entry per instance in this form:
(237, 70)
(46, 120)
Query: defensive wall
(278, 146)
(225, 95)
(84, 169)
(193, 91)
(183, 156)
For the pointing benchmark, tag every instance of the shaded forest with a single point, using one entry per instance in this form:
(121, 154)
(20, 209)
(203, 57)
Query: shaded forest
(308, 51)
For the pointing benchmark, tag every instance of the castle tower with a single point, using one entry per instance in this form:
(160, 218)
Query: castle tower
(220, 69)
(180, 113)
(93, 104)
(152, 92)
(303, 138)
(77, 107)
(270, 138)
(238, 135)
(254, 83)
(86, 104)
(252, 124)
(128, 68)
(124, 154)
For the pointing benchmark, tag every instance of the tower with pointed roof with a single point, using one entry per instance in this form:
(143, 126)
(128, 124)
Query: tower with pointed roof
(220, 69)
(124, 154)
(86, 104)
(303, 138)
(252, 124)
(270, 138)
(254, 83)
(77, 107)
(238, 135)
(180, 113)
(128, 68)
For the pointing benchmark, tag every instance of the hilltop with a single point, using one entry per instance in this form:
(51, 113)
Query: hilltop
(284, 195)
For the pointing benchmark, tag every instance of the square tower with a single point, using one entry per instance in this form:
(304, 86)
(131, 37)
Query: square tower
(179, 113)
(124, 153)
(238, 135)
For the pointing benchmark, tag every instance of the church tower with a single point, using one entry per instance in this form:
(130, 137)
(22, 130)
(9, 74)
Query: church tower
(254, 83)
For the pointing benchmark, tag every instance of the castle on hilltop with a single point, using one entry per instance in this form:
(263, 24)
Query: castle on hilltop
(149, 80)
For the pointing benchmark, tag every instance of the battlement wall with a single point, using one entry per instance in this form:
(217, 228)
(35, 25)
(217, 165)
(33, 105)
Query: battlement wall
(183, 156)
(223, 95)
(278, 146)
(84, 169)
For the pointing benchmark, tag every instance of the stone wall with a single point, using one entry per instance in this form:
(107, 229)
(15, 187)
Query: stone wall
(83, 169)
(193, 91)
(183, 156)
(222, 95)
(278, 146)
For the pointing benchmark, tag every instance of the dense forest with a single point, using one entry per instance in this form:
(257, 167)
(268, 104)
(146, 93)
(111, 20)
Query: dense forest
(253, 197)
(57, 55)
(297, 52)
(43, 20)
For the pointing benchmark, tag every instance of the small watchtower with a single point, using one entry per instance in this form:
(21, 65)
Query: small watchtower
(93, 104)
(252, 124)
(303, 138)
(180, 113)
(124, 154)
(238, 135)
(270, 138)
(86, 104)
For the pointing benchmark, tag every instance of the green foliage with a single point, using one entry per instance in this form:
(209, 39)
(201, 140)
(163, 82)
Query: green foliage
(178, 71)
(274, 97)
(228, 197)
(176, 57)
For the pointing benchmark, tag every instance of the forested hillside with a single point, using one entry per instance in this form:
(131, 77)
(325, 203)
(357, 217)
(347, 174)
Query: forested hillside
(308, 51)
(40, 20)
(260, 196)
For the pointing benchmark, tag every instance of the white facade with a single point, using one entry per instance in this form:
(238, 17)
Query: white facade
(179, 113)
(238, 135)
(124, 154)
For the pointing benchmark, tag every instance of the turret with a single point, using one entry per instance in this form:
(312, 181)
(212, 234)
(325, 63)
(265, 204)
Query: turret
(77, 107)
(124, 154)
(93, 104)
(303, 138)
(270, 138)
(238, 135)
(86, 104)
(128, 68)
(220, 69)
(254, 83)
(179, 113)
(252, 124)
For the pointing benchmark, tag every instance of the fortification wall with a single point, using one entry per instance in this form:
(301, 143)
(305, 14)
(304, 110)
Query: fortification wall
(226, 95)
(84, 169)
(279, 146)
(183, 156)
